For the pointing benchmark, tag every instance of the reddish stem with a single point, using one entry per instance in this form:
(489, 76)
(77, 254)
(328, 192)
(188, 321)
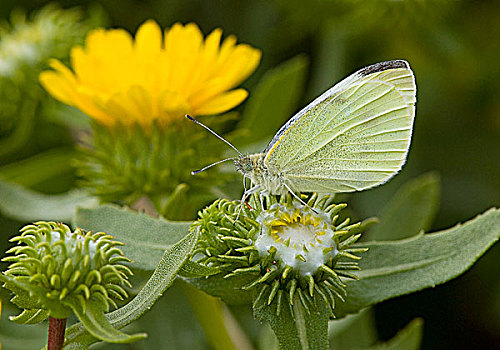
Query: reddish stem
(57, 328)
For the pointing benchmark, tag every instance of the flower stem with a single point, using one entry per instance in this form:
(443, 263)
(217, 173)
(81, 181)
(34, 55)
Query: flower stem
(57, 327)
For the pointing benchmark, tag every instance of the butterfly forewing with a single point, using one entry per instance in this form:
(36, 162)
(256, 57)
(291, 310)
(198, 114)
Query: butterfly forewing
(353, 137)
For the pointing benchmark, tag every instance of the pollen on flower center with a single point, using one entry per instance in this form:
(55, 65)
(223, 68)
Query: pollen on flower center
(302, 238)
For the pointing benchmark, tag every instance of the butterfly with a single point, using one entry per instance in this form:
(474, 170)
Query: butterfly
(353, 137)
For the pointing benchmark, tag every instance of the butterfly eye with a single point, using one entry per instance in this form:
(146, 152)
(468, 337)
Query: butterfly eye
(248, 167)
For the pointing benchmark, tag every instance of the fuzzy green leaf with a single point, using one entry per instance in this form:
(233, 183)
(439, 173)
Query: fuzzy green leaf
(192, 269)
(412, 209)
(23, 204)
(390, 269)
(145, 238)
(168, 322)
(294, 327)
(36, 295)
(228, 289)
(408, 338)
(33, 316)
(275, 99)
(98, 325)
(165, 273)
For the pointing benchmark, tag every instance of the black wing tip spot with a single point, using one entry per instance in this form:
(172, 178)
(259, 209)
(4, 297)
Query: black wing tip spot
(381, 66)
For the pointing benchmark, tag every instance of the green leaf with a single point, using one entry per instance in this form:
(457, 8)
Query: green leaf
(24, 128)
(33, 316)
(98, 325)
(172, 260)
(28, 295)
(274, 99)
(209, 312)
(390, 269)
(408, 339)
(295, 328)
(353, 331)
(192, 269)
(40, 167)
(228, 289)
(267, 339)
(330, 65)
(23, 204)
(177, 203)
(412, 209)
(14, 336)
(168, 323)
(145, 238)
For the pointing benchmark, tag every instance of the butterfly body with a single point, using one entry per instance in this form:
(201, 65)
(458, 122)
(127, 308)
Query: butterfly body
(266, 180)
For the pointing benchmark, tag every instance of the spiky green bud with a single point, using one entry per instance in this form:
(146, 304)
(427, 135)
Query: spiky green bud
(126, 163)
(282, 249)
(58, 267)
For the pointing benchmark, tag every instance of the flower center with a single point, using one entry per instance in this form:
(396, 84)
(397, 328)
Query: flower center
(303, 239)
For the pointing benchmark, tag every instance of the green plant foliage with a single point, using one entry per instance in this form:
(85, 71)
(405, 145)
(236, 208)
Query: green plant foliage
(30, 316)
(231, 246)
(411, 210)
(274, 99)
(450, 46)
(145, 238)
(297, 328)
(210, 313)
(164, 275)
(353, 331)
(34, 170)
(408, 338)
(98, 325)
(390, 269)
(267, 339)
(21, 203)
(124, 164)
(26, 44)
(14, 336)
(54, 272)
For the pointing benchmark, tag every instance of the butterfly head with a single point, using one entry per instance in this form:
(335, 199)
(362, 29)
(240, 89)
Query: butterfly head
(244, 164)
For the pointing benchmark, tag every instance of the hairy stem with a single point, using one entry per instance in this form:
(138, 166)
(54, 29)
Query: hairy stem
(57, 327)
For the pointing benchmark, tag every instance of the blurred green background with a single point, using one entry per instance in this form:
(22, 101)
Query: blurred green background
(453, 48)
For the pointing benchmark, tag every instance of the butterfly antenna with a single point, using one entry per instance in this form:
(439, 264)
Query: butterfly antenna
(216, 135)
(210, 165)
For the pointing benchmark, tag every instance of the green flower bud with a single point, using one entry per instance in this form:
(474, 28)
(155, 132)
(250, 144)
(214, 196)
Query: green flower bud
(280, 249)
(59, 267)
(127, 162)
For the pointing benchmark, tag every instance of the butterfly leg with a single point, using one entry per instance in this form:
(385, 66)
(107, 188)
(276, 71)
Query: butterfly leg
(246, 194)
(298, 198)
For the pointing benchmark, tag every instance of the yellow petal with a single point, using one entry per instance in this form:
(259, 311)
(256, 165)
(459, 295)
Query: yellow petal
(172, 107)
(117, 79)
(148, 40)
(57, 87)
(182, 47)
(222, 102)
(205, 63)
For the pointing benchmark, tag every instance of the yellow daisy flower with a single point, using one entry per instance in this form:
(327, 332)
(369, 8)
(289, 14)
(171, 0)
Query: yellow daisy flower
(154, 77)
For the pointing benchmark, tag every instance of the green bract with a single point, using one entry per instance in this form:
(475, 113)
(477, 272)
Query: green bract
(60, 268)
(279, 250)
(125, 163)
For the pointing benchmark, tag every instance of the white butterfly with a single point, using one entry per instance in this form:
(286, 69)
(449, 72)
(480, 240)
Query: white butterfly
(353, 137)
